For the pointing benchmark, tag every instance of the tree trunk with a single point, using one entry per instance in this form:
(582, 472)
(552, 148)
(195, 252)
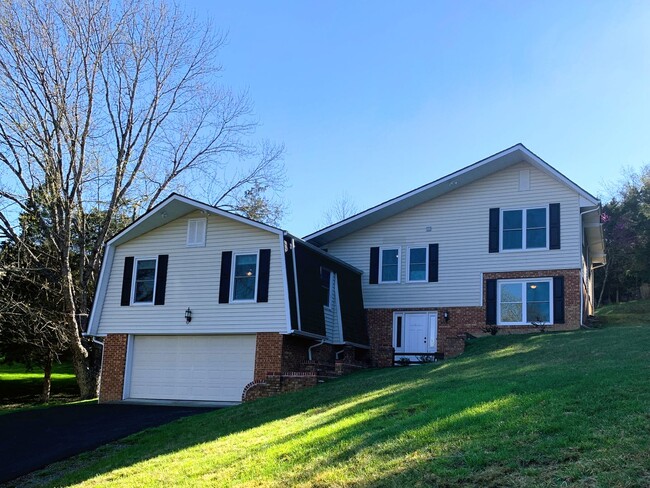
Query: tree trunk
(602, 290)
(47, 380)
(86, 379)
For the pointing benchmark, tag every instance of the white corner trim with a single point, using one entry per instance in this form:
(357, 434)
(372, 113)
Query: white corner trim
(126, 388)
(285, 284)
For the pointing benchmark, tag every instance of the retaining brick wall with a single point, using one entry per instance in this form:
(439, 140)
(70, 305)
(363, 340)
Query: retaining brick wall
(111, 383)
(275, 384)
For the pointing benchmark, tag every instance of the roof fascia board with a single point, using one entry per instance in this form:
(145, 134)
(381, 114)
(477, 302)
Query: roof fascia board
(543, 165)
(198, 205)
(529, 156)
(411, 193)
(326, 254)
(102, 287)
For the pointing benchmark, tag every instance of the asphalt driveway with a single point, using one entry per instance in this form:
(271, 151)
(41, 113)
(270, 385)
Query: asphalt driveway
(32, 439)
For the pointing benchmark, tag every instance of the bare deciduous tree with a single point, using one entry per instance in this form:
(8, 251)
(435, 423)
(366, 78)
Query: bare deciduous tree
(342, 208)
(111, 103)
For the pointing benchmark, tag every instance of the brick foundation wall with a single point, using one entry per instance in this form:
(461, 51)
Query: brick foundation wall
(111, 383)
(464, 320)
(268, 354)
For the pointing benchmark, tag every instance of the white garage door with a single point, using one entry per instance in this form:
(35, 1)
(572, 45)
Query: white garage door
(211, 368)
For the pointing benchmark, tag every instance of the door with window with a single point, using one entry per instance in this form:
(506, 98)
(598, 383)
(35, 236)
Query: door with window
(415, 333)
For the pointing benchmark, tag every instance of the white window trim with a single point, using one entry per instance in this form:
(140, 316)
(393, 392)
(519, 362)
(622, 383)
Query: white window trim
(329, 291)
(135, 274)
(523, 281)
(523, 229)
(232, 276)
(205, 231)
(426, 264)
(399, 263)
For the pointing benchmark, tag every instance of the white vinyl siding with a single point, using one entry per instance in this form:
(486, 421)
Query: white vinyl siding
(193, 281)
(332, 313)
(459, 220)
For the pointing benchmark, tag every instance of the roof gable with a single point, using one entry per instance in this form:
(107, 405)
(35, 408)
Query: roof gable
(492, 164)
(173, 207)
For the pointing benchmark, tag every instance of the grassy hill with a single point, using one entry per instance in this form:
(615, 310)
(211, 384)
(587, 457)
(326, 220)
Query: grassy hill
(552, 409)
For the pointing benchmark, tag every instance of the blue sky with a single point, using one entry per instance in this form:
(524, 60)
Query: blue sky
(377, 98)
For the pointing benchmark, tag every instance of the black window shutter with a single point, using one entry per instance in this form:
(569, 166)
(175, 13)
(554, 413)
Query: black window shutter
(224, 282)
(263, 276)
(490, 302)
(374, 265)
(127, 278)
(161, 279)
(433, 263)
(558, 299)
(554, 225)
(494, 229)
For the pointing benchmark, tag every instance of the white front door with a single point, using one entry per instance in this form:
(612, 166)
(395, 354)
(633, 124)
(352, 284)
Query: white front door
(415, 332)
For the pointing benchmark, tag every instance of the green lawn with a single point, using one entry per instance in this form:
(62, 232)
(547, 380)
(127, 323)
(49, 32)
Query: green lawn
(554, 409)
(20, 388)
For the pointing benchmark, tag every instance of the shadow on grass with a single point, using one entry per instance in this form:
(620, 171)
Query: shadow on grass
(511, 408)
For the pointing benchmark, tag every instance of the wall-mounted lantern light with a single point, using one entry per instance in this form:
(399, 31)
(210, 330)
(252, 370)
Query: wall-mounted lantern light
(445, 315)
(188, 315)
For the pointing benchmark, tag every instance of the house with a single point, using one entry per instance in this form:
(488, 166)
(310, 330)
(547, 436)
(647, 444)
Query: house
(507, 242)
(198, 304)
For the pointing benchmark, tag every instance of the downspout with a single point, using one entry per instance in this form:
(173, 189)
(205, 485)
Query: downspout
(339, 352)
(313, 347)
(582, 243)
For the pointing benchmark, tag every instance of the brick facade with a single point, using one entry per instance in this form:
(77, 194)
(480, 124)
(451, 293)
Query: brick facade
(111, 380)
(469, 320)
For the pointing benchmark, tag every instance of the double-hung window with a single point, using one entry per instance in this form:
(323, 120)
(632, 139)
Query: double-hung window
(389, 265)
(525, 229)
(244, 278)
(525, 302)
(418, 261)
(144, 281)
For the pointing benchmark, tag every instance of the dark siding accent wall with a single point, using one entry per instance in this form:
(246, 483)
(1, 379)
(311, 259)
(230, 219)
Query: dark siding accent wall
(161, 279)
(353, 320)
(291, 283)
(374, 266)
(494, 229)
(312, 318)
(433, 263)
(554, 225)
(491, 302)
(224, 281)
(351, 303)
(263, 278)
(558, 300)
(127, 278)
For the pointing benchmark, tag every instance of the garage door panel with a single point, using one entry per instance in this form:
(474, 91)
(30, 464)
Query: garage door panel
(209, 368)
